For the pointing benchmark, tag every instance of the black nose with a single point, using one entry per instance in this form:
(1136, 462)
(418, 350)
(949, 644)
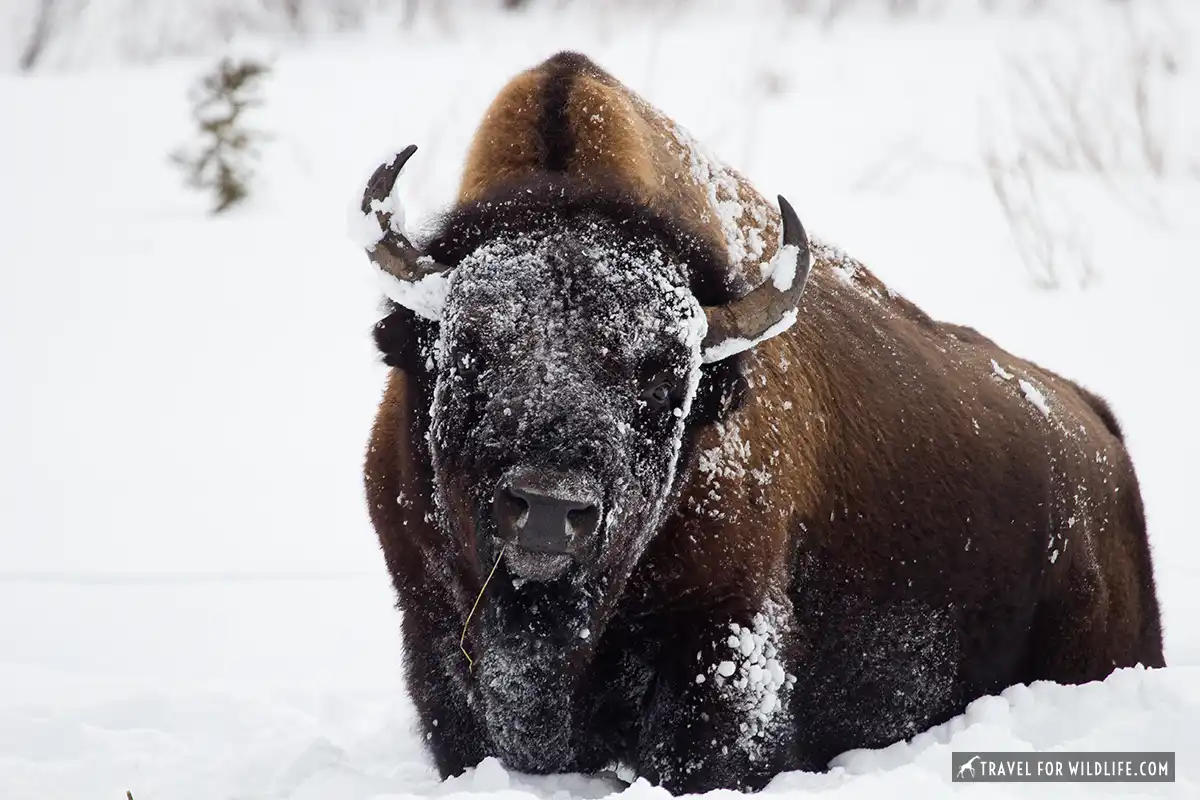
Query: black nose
(551, 515)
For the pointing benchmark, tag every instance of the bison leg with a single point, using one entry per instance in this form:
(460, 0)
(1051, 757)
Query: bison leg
(718, 715)
(447, 726)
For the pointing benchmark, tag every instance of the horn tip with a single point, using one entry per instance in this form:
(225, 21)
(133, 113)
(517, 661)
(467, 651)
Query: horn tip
(793, 229)
(406, 154)
(381, 181)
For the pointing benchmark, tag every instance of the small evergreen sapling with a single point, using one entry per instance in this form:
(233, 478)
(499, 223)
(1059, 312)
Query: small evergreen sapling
(222, 160)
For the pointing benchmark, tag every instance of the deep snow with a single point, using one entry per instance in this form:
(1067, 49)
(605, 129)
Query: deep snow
(191, 600)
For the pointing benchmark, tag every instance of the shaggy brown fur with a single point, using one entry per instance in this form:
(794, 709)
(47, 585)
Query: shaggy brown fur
(936, 518)
(568, 115)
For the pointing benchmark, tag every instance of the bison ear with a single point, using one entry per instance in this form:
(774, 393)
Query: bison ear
(403, 339)
(771, 308)
(722, 392)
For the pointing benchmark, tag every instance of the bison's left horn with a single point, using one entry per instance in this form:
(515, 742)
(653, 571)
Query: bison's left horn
(393, 252)
(771, 308)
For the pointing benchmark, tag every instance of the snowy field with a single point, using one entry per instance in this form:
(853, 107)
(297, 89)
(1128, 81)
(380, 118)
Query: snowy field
(192, 604)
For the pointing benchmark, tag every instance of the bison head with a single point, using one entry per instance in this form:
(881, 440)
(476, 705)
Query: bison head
(567, 355)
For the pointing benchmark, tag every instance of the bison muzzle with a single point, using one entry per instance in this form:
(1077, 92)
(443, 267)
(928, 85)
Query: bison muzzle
(663, 483)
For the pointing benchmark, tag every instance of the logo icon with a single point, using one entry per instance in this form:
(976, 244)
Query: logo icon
(968, 767)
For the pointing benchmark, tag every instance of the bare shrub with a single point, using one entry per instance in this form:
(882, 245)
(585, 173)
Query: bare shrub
(294, 12)
(1153, 60)
(1096, 112)
(1068, 135)
(223, 160)
(1084, 111)
(1046, 239)
(39, 36)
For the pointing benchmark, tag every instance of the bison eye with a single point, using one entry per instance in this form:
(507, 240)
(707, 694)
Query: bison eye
(658, 395)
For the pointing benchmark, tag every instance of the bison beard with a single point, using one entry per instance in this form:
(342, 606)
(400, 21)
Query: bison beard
(723, 547)
(528, 671)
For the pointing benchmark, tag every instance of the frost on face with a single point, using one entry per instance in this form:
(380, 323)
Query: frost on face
(562, 326)
(751, 677)
(550, 342)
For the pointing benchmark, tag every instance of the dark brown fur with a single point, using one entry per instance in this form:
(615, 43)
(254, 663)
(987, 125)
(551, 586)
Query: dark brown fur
(931, 534)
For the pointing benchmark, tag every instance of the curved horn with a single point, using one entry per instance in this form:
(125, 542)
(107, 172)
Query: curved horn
(394, 253)
(771, 308)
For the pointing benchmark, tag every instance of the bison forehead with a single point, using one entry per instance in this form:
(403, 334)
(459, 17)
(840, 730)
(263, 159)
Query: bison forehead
(582, 287)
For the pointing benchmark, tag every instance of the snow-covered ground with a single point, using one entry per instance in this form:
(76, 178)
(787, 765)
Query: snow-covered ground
(191, 600)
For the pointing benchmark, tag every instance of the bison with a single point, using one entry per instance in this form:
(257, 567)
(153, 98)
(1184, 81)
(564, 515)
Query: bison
(646, 504)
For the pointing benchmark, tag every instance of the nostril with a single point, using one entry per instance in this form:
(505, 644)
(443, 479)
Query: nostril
(555, 513)
(510, 512)
(584, 520)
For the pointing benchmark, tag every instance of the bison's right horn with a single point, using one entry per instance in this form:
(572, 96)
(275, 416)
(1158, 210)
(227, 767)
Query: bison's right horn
(394, 253)
(771, 308)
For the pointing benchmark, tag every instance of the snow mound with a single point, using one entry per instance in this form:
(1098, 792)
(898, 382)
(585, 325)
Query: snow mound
(361, 746)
